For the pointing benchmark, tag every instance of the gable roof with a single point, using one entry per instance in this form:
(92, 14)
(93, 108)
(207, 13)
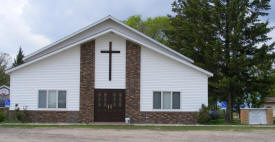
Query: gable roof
(269, 100)
(99, 28)
(4, 86)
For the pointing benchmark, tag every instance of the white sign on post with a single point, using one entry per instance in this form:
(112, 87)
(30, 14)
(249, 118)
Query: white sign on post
(257, 116)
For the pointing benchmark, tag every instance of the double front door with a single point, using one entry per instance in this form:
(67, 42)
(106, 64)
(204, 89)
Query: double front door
(109, 105)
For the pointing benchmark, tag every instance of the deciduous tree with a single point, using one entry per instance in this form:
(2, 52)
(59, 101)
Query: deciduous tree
(153, 27)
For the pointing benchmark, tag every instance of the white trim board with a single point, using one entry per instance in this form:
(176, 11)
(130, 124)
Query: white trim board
(209, 74)
(120, 23)
(57, 51)
(4, 86)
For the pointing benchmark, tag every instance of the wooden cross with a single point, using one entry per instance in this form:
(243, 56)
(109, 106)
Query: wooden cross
(110, 58)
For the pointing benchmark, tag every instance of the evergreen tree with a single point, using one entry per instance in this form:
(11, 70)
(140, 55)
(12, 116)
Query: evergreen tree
(227, 38)
(272, 91)
(19, 58)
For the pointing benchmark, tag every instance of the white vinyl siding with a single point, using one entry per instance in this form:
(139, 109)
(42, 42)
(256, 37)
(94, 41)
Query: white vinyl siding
(160, 73)
(58, 72)
(62, 72)
(102, 62)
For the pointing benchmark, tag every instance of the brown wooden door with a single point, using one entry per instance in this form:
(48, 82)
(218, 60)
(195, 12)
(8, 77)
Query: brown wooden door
(109, 105)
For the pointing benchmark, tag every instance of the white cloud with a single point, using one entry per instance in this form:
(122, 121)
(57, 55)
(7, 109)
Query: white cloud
(33, 24)
(15, 32)
(67, 16)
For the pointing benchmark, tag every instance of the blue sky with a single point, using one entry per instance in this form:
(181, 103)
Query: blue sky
(33, 24)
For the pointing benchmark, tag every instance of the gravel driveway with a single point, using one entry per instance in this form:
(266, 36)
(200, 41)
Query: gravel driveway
(109, 135)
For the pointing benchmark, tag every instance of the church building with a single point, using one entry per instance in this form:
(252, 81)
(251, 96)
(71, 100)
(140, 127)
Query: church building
(107, 72)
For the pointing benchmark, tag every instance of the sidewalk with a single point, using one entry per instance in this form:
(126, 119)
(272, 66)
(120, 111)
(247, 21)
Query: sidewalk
(125, 124)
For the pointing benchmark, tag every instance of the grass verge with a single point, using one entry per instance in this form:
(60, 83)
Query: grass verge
(135, 127)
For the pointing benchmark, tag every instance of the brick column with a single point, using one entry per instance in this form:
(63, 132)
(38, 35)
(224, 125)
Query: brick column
(132, 97)
(244, 116)
(87, 81)
(269, 116)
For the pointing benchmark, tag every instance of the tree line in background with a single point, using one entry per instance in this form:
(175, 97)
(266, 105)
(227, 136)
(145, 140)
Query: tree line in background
(4, 61)
(226, 37)
(4, 65)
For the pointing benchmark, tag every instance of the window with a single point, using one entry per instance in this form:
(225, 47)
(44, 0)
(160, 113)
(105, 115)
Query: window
(52, 99)
(166, 100)
(176, 100)
(42, 101)
(157, 100)
(61, 99)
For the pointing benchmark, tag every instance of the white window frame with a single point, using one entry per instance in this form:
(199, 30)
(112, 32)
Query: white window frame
(47, 92)
(161, 101)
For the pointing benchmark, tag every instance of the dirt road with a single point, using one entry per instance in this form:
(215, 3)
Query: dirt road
(109, 135)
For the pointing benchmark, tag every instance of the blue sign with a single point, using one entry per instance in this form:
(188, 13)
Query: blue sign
(7, 103)
(223, 105)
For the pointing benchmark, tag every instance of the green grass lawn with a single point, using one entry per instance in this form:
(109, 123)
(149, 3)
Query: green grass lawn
(135, 127)
(223, 122)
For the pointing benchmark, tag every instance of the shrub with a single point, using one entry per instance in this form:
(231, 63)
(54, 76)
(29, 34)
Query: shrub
(17, 112)
(214, 115)
(222, 113)
(216, 122)
(3, 115)
(24, 116)
(203, 116)
(21, 116)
